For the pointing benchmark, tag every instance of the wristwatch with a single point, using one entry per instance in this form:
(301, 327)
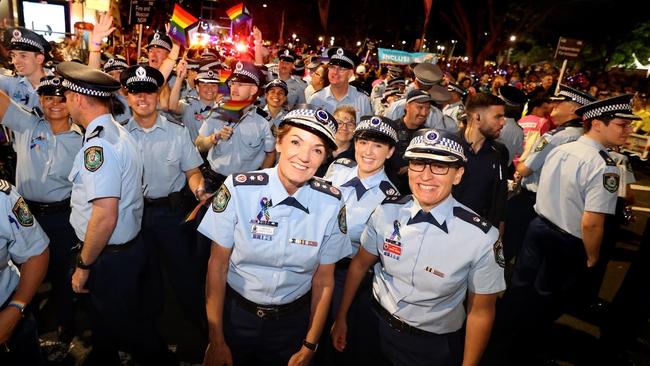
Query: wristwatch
(81, 264)
(310, 346)
(18, 305)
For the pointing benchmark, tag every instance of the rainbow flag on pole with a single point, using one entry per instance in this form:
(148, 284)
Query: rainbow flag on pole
(180, 21)
(237, 11)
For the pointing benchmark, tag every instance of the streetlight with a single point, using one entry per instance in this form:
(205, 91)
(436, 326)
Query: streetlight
(293, 36)
(358, 43)
(453, 46)
(264, 5)
(513, 38)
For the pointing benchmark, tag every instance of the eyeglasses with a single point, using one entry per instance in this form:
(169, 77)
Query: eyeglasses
(435, 168)
(347, 125)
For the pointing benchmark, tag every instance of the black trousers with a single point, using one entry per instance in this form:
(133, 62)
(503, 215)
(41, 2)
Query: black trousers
(519, 213)
(22, 348)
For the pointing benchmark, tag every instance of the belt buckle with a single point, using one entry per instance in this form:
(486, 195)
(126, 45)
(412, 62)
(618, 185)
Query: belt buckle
(262, 312)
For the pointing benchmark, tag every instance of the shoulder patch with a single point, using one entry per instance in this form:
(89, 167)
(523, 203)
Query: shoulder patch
(608, 160)
(472, 218)
(220, 201)
(541, 144)
(250, 179)
(498, 253)
(611, 181)
(346, 162)
(343, 225)
(5, 186)
(388, 189)
(93, 158)
(400, 200)
(22, 213)
(324, 186)
(95, 133)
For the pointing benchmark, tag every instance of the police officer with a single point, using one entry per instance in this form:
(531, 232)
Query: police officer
(577, 188)
(106, 214)
(455, 107)
(24, 244)
(277, 234)
(512, 135)
(286, 66)
(276, 93)
(46, 143)
(244, 143)
(170, 159)
(521, 211)
(379, 89)
(427, 78)
(364, 185)
(340, 92)
(114, 67)
(419, 288)
(28, 52)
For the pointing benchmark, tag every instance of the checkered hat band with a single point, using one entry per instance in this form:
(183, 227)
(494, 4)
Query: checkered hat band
(247, 74)
(117, 64)
(49, 82)
(146, 79)
(343, 58)
(310, 116)
(608, 110)
(82, 90)
(29, 42)
(160, 43)
(575, 97)
(455, 89)
(443, 144)
(382, 128)
(425, 97)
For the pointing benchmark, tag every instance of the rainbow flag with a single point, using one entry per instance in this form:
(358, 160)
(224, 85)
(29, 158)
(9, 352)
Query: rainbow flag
(237, 11)
(231, 111)
(180, 21)
(223, 76)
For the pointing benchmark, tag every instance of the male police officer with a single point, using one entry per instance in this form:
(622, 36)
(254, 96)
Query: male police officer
(28, 51)
(296, 87)
(106, 215)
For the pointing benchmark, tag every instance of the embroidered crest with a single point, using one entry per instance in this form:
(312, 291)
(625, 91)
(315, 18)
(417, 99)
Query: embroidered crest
(93, 158)
(610, 182)
(541, 144)
(22, 213)
(220, 202)
(343, 225)
(498, 253)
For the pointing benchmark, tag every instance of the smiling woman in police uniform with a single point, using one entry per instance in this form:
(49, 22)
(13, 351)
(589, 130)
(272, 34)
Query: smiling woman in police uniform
(277, 234)
(420, 284)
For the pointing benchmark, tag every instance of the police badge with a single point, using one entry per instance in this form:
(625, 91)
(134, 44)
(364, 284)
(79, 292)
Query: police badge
(22, 213)
(343, 225)
(93, 158)
(220, 202)
(610, 182)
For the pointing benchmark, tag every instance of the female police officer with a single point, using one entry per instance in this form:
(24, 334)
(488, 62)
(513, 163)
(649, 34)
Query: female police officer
(364, 185)
(420, 284)
(276, 235)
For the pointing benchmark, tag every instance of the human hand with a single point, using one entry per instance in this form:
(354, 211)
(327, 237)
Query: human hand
(301, 358)
(103, 28)
(339, 333)
(9, 318)
(217, 355)
(181, 69)
(257, 34)
(79, 278)
(225, 133)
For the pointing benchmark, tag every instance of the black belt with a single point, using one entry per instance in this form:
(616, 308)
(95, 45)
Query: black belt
(156, 202)
(42, 208)
(395, 323)
(527, 192)
(109, 248)
(553, 226)
(269, 311)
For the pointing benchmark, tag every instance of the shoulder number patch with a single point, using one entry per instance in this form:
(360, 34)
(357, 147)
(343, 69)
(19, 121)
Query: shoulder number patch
(22, 213)
(220, 202)
(93, 158)
(343, 224)
(610, 182)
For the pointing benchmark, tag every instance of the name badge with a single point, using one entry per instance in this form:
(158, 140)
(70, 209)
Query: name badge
(392, 249)
(263, 230)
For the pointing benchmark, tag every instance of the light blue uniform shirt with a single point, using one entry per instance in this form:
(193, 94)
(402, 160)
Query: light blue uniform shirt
(274, 263)
(112, 153)
(435, 119)
(424, 273)
(326, 100)
(296, 92)
(512, 136)
(21, 237)
(275, 121)
(167, 153)
(549, 141)
(578, 176)
(194, 112)
(251, 139)
(21, 90)
(377, 187)
(44, 159)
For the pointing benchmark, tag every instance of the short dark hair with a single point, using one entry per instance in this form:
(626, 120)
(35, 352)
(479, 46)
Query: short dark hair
(586, 124)
(482, 101)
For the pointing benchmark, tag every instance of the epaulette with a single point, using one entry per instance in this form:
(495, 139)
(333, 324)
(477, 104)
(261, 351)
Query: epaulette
(608, 160)
(388, 188)
(346, 162)
(95, 133)
(5, 186)
(190, 98)
(263, 113)
(176, 122)
(361, 91)
(123, 123)
(250, 179)
(37, 112)
(573, 123)
(324, 186)
(472, 218)
(400, 200)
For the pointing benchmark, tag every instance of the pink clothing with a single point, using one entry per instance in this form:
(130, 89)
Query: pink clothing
(533, 127)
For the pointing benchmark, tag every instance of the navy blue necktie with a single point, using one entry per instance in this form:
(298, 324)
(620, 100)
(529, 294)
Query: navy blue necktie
(358, 186)
(422, 216)
(290, 201)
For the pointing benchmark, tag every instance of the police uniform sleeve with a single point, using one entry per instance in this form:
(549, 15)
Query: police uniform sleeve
(486, 271)
(336, 243)
(191, 157)
(370, 240)
(6, 83)
(25, 237)
(208, 127)
(18, 118)
(101, 175)
(220, 221)
(601, 187)
(540, 151)
(366, 107)
(269, 139)
(184, 107)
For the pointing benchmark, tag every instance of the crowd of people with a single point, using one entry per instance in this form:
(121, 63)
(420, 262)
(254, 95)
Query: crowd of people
(305, 208)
